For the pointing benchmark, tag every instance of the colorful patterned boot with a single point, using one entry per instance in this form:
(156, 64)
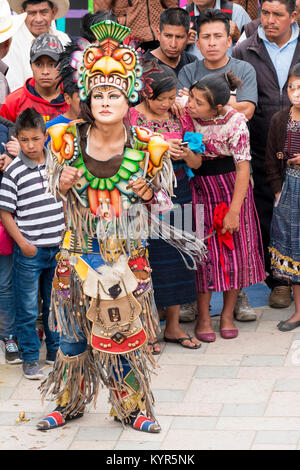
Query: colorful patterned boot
(55, 419)
(141, 423)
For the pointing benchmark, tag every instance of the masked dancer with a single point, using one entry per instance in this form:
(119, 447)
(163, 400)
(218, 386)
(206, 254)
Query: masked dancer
(111, 178)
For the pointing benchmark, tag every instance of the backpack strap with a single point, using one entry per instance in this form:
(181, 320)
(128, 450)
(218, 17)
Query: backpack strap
(226, 8)
(190, 9)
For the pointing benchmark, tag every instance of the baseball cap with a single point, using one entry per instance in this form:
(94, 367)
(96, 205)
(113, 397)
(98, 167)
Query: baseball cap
(46, 44)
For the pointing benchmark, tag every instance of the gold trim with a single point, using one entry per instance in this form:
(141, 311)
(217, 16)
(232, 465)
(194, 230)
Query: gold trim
(275, 261)
(7, 29)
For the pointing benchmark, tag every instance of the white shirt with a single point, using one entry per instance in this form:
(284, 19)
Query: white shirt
(18, 57)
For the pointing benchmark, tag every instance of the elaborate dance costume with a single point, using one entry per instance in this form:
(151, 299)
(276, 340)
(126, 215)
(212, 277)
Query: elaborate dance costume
(103, 302)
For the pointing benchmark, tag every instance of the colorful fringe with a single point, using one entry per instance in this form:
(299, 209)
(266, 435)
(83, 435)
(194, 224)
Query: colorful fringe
(74, 381)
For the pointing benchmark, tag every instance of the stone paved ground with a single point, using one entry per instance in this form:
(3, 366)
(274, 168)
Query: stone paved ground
(231, 394)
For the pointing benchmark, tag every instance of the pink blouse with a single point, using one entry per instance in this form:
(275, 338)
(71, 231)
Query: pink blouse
(225, 135)
(172, 128)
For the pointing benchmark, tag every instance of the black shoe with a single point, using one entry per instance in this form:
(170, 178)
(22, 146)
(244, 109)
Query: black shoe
(12, 355)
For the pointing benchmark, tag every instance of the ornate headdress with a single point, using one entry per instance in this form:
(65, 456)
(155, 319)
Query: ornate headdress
(109, 62)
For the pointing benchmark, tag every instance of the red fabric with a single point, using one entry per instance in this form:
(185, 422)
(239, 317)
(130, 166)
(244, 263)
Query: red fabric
(140, 421)
(226, 238)
(21, 99)
(6, 242)
(138, 264)
(58, 417)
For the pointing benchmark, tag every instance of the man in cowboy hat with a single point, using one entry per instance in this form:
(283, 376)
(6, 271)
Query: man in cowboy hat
(40, 19)
(9, 25)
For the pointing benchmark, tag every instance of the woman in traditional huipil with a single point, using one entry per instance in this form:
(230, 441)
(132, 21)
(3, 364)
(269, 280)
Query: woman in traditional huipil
(222, 186)
(110, 177)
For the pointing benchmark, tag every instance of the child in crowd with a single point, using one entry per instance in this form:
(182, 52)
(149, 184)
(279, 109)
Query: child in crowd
(35, 220)
(235, 254)
(174, 284)
(71, 96)
(9, 148)
(41, 91)
(283, 171)
(70, 89)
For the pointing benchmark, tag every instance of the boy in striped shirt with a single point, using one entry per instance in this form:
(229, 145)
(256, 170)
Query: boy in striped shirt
(35, 220)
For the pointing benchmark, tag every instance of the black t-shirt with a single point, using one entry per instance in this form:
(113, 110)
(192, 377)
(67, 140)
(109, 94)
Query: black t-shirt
(186, 58)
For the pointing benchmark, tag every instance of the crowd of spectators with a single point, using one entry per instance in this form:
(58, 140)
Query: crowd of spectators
(254, 46)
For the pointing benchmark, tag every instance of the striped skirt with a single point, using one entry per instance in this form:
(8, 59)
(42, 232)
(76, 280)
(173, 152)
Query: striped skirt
(173, 283)
(285, 230)
(245, 264)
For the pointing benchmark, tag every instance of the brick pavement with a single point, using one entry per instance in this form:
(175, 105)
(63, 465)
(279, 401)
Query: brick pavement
(231, 394)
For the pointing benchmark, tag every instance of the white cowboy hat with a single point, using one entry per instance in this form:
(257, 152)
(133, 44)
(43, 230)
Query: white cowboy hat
(62, 6)
(9, 23)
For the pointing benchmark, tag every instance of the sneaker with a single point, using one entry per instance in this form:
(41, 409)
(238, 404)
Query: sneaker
(32, 371)
(50, 358)
(280, 297)
(12, 354)
(242, 309)
(188, 312)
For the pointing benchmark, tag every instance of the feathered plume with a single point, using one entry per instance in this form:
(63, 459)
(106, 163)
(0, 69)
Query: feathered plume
(149, 68)
(69, 61)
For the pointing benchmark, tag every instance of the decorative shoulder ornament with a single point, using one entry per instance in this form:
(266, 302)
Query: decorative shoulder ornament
(146, 159)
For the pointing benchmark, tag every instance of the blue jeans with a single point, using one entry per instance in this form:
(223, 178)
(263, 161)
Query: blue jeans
(31, 274)
(71, 347)
(7, 312)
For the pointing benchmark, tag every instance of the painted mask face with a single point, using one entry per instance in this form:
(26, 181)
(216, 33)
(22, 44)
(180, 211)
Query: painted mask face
(109, 63)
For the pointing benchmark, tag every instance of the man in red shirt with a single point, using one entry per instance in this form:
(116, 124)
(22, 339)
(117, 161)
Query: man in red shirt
(40, 91)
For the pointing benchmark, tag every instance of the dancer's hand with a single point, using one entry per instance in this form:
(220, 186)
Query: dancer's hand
(69, 176)
(141, 188)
